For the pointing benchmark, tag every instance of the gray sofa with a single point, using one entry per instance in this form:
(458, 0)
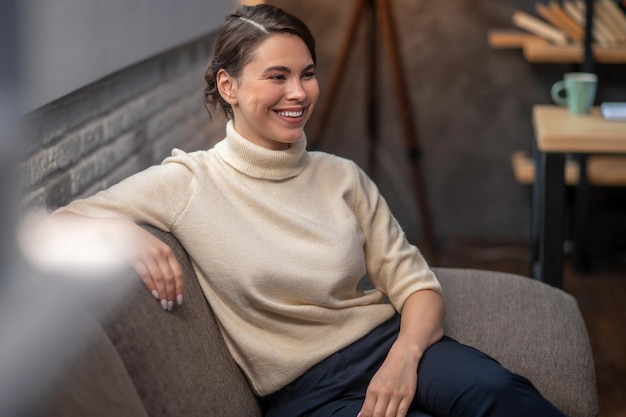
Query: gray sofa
(146, 362)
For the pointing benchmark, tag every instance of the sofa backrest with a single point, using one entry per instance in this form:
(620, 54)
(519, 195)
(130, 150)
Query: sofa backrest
(178, 360)
(148, 362)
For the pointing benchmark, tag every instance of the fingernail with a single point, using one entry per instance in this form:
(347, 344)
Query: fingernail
(170, 305)
(155, 294)
(164, 304)
(179, 299)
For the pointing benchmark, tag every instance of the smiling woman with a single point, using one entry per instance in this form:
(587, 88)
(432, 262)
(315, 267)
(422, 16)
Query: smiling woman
(280, 239)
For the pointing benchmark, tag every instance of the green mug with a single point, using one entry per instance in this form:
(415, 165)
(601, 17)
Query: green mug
(579, 89)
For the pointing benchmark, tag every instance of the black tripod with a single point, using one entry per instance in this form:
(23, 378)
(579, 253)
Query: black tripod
(379, 18)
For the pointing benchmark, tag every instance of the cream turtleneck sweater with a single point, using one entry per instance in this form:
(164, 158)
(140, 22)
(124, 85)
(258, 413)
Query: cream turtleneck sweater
(279, 241)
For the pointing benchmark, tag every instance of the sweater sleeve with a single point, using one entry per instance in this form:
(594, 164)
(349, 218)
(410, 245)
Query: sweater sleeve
(396, 267)
(156, 196)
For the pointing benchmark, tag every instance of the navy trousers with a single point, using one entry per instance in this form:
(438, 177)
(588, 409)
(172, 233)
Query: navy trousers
(453, 380)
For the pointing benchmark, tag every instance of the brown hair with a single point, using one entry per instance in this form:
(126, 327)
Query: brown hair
(237, 40)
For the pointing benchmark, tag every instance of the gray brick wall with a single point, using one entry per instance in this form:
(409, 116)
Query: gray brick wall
(99, 135)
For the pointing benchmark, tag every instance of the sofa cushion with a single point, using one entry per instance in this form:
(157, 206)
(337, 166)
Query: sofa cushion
(178, 359)
(529, 327)
(95, 383)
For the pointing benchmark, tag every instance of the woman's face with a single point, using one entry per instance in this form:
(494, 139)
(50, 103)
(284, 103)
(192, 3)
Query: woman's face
(275, 94)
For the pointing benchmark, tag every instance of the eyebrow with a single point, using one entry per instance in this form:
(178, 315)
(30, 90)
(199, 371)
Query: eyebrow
(286, 69)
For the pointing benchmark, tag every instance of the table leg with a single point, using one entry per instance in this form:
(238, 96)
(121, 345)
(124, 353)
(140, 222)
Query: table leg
(536, 213)
(581, 213)
(551, 206)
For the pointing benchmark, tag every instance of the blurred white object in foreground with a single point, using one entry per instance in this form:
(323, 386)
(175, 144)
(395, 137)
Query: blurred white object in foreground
(71, 274)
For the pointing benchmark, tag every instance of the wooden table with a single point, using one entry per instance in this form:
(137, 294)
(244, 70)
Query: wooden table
(557, 133)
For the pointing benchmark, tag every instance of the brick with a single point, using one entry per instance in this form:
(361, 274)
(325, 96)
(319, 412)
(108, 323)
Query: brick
(58, 191)
(163, 121)
(49, 160)
(92, 189)
(68, 151)
(144, 155)
(125, 170)
(38, 167)
(164, 145)
(151, 103)
(92, 137)
(33, 204)
(101, 162)
(187, 133)
(169, 93)
(114, 125)
(131, 166)
(133, 115)
(83, 174)
(120, 149)
(190, 83)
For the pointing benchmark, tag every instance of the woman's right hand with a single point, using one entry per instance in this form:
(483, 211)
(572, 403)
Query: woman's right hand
(152, 259)
(155, 263)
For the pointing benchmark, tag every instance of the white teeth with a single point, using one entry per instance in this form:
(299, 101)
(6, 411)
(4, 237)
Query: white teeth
(290, 113)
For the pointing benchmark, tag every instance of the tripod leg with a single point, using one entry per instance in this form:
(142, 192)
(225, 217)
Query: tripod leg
(371, 87)
(404, 108)
(336, 75)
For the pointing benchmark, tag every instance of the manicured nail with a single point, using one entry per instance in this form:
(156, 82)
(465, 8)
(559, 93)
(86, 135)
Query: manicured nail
(170, 305)
(164, 304)
(179, 299)
(155, 294)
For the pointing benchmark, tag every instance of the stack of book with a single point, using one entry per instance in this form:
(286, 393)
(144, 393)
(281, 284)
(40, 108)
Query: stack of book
(560, 26)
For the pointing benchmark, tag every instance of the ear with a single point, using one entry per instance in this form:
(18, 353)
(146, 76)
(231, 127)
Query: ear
(227, 87)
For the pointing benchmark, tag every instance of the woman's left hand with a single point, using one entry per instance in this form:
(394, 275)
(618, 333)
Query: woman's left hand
(393, 387)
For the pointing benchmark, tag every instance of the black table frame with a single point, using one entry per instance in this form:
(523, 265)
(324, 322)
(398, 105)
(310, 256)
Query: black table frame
(548, 225)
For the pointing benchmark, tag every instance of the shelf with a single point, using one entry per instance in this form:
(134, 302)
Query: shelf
(538, 50)
(544, 52)
(602, 170)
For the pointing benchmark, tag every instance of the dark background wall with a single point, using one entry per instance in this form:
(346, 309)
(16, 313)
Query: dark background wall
(472, 108)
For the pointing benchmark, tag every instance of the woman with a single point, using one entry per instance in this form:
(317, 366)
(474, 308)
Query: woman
(280, 238)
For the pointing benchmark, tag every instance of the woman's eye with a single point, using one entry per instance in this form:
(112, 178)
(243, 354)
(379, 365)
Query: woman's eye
(277, 77)
(308, 75)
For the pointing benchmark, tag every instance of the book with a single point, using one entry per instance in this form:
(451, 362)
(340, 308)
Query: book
(578, 16)
(606, 16)
(612, 12)
(605, 36)
(560, 20)
(539, 27)
(613, 111)
(510, 38)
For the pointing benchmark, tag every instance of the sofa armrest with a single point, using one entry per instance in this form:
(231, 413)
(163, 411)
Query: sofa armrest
(530, 327)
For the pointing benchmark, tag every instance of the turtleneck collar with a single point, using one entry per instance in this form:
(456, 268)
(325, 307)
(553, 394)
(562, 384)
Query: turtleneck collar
(259, 162)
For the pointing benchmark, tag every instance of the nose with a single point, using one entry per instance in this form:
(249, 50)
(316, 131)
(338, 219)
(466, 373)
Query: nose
(296, 90)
